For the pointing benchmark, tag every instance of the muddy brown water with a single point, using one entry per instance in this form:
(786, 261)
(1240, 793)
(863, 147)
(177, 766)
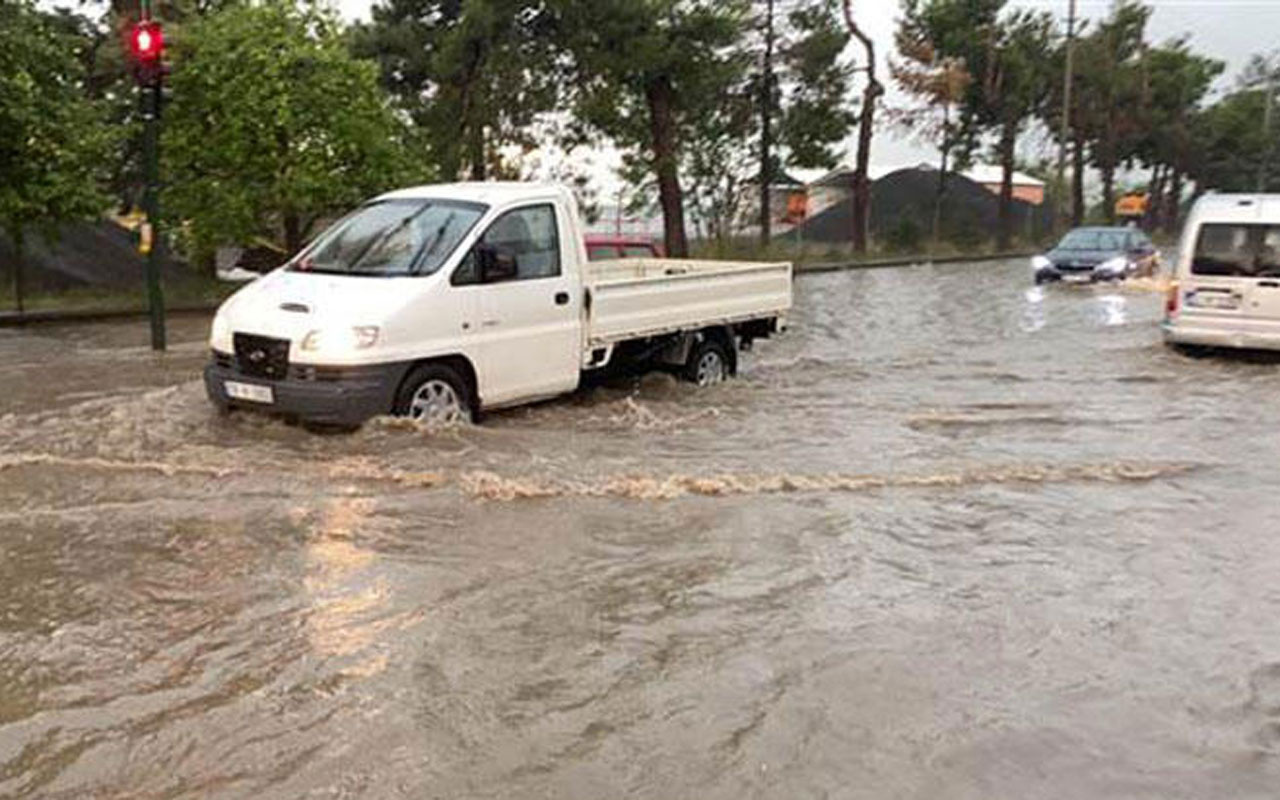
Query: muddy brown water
(947, 538)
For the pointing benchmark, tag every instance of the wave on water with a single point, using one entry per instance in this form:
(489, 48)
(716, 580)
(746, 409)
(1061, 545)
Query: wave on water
(481, 485)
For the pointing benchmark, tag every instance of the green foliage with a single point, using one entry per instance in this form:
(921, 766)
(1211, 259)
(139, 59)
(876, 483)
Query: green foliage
(274, 126)
(816, 114)
(474, 74)
(647, 72)
(52, 142)
(906, 236)
(1232, 144)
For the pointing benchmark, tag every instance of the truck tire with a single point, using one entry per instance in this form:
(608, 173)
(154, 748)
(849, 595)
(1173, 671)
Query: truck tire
(436, 394)
(708, 363)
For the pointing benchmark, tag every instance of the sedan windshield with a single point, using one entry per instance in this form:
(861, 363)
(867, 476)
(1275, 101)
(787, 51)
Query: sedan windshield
(1092, 240)
(394, 237)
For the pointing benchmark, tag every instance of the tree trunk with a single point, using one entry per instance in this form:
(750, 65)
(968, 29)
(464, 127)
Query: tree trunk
(1008, 145)
(1077, 182)
(1109, 191)
(479, 172)
(1155, 196)
(941, 195)
(866, 129)
(766, 130)
(19, 257)
(659, 96)
(1173, 205)
(292, 233)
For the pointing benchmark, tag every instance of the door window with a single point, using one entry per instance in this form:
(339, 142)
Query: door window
(528, 236)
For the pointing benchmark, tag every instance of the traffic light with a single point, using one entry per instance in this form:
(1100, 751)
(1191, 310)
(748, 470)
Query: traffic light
(147, 44)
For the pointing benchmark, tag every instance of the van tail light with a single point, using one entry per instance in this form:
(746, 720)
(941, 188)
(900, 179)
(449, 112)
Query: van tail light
(1171, 300)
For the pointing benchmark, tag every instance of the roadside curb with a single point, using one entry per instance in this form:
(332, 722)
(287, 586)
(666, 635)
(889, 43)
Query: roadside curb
(11, 319)
(908, 261)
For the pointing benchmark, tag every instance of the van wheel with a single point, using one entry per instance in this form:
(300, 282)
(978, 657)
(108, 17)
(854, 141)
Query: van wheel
(435, 394)
(708, 363)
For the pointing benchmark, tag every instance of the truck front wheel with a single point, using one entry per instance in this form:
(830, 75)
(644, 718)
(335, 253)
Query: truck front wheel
(435, 394)
(708, 363)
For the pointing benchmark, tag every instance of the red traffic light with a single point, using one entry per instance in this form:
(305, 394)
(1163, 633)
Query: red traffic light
(147, 41)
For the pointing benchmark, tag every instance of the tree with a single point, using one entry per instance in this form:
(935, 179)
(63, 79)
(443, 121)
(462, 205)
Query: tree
(52, 140)
(645, 73)
(1233, 148)
(1005, 55)
(273, 126)
(866, 130)
(937, 84)
(1112, 87)
(473, 74)
(1177, 84)
(803, 88)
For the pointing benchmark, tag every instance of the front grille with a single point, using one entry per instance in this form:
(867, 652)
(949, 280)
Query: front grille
(262, 356)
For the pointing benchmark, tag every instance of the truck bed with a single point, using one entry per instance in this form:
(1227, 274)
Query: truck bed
(638, 297)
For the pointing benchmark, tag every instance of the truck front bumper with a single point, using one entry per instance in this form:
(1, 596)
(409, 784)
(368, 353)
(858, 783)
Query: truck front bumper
(328, 395)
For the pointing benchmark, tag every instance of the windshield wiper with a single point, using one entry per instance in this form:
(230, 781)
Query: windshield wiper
(386, 234)
(431, 248)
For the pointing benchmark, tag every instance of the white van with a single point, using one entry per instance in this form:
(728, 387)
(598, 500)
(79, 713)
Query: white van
(1226, 288)
(441, 301)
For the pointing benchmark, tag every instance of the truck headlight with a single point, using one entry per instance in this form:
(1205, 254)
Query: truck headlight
(220, 333)
(1040, 262)
(341, 340)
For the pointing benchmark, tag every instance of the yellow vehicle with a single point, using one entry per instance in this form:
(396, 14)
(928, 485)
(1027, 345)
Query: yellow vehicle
(1133, 205)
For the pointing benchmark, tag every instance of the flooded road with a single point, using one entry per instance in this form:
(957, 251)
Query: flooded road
(949, 537)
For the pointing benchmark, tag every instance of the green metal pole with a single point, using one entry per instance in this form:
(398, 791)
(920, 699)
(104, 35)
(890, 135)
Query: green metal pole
(151, 203)
(151, 196)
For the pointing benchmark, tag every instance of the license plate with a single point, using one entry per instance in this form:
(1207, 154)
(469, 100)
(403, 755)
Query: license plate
(1077, 277)
(1224, 302)
(249, 391)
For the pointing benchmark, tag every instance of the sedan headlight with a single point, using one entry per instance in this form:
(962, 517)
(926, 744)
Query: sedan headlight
(1113, 266)
(1040, 262)
(341, 340)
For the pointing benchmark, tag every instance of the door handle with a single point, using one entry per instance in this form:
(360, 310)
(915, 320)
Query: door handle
(562, 298)
(491, 323)
(1269, 284)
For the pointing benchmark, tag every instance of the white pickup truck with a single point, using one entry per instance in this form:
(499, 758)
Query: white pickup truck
(439, 302)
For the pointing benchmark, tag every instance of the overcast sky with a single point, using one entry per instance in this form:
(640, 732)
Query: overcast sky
(1230, 30)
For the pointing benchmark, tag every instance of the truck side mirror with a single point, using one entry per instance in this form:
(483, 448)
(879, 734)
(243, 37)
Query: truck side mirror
(496, 263)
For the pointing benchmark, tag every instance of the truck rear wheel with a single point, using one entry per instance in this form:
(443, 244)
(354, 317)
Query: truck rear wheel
(435, 394)
(708, 363)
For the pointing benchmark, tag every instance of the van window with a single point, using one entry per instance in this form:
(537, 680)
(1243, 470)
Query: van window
(638, 251)
(1251, 251)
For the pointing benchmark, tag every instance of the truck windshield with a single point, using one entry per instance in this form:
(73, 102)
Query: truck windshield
(393, 237)
(1251, 251)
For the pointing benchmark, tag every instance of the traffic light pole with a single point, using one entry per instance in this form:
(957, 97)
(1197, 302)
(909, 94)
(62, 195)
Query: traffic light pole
(148, 48)
(151, 206)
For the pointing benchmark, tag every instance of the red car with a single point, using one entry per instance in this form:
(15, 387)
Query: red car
(607, 248)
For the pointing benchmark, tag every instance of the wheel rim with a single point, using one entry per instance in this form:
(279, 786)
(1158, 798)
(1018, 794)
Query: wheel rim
(436, 402)
(710, 368)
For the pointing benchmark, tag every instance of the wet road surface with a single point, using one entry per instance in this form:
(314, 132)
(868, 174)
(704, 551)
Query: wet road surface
(948, 538)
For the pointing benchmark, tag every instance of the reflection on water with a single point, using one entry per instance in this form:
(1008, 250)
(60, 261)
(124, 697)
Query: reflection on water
(951, 536)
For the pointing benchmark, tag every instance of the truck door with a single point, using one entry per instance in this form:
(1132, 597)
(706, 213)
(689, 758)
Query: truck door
(530, 330)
